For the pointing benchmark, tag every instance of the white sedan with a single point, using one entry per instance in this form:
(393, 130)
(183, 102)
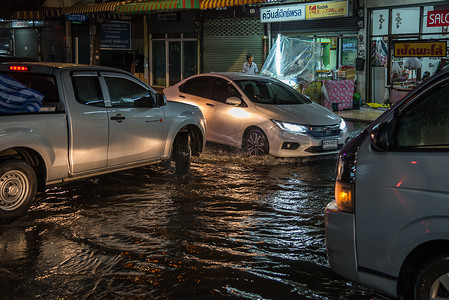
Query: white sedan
(261, 115)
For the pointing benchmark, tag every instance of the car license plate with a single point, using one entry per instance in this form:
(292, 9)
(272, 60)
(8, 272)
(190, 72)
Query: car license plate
(330, 144)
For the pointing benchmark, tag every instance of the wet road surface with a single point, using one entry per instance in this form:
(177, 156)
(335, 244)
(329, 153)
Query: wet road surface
(237, 227)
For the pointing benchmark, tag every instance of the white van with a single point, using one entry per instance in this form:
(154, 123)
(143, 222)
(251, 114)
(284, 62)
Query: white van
(388, 227)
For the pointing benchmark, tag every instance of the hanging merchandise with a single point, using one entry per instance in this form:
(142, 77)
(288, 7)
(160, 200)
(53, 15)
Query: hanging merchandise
(293, 61)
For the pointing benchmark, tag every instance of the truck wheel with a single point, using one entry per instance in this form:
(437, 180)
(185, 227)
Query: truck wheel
(255, 143)
(432, 281)
(183, 153)
(18, 184)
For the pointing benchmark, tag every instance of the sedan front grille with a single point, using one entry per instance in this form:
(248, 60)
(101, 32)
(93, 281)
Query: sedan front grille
(324, 131)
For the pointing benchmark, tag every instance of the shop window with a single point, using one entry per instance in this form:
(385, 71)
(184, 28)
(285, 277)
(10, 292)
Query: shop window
(405, 20)
(425, 29)
(379, 52)
(349, 51)
(380, 21)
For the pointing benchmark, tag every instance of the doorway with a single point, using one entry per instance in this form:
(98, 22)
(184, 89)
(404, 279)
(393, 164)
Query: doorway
(172, 59)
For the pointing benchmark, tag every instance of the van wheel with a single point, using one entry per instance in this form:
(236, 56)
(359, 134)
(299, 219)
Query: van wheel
(183, 153)
(18, 185)
(255, 143)
(432, 282)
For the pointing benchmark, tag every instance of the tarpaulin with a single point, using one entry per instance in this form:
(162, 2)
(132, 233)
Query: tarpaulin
(16, 97)
(293, 60)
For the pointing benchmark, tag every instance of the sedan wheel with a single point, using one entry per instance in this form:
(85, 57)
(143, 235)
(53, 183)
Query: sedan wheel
(255, 143)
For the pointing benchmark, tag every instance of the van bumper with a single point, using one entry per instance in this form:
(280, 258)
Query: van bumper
(340, 242)
(342, 252)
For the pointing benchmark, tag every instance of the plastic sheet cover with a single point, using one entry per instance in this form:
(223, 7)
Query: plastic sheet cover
(16, 97)
(293, 60)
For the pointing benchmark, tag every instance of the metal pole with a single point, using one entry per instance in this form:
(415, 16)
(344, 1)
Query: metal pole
(76, 50)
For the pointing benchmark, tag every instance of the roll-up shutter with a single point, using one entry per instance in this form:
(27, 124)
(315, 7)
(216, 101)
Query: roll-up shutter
(321, 26)
(226, 42)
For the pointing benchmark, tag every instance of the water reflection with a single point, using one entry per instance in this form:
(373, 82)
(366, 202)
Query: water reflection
(238, 227)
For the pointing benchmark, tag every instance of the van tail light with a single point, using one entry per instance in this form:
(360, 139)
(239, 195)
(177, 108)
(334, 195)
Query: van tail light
(19, 68)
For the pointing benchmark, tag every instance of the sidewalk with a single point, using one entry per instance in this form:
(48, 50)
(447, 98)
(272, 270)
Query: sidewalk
(364, 114)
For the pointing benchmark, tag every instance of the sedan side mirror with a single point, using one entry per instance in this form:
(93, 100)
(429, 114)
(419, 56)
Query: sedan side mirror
(234, 101)
(380, 138)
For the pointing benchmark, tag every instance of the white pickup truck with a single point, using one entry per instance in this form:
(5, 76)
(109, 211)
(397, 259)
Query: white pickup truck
(87, 120)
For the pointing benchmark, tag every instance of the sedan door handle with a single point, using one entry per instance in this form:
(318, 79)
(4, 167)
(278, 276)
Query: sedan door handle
(119, 118)
(210, 104)
(181, 96)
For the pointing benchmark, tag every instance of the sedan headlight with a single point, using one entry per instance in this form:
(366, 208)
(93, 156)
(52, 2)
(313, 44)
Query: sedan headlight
(342, 125)
(292, 127)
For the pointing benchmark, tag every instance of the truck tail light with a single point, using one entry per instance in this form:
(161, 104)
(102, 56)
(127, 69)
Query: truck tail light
(19, 68)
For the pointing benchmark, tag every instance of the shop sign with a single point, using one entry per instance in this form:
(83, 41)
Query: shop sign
(115, 36)
(282, 13)
(327, 9)
(420, 49)
(438, 18)
(77, 17)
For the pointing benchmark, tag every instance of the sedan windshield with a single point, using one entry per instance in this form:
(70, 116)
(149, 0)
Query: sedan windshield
(270, 92)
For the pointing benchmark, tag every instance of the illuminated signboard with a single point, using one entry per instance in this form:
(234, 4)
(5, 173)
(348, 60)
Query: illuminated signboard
(420, 49)
(438, 18)
(327, 9)
(282, 13)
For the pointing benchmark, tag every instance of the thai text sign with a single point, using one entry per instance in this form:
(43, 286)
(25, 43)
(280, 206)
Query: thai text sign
(282, 13)
(438, 18)
(420, 49)
(327, 9)
(115, 36)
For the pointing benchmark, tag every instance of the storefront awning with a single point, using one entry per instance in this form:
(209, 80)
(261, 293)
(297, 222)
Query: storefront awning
(206, 4)
(43, 13)
(145, 6)
(92, 8)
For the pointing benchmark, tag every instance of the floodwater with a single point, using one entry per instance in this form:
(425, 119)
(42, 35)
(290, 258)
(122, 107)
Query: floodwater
(237, 227)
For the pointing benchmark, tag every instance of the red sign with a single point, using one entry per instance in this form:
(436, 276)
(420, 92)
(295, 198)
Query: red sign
(438, 18)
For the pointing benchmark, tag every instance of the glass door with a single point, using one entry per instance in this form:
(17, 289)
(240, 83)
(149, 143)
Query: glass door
(174, 62)
(173, 59)
(158, 63)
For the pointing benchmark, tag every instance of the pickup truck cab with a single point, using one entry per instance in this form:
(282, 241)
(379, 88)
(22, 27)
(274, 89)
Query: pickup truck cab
(388, 227)
(84, 121)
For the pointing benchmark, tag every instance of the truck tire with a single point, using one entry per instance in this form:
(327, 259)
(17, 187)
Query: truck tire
(255, 143)
(432, 281)
(18, 185)
(183, 153)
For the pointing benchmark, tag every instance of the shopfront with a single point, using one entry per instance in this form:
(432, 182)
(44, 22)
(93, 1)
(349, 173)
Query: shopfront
(408, 42)
(333, 28)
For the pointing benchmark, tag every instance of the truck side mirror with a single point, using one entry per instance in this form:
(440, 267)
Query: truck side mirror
(160, 100)
(380, 138)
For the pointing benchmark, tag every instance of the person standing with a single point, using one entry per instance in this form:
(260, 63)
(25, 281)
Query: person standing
(250, 67)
